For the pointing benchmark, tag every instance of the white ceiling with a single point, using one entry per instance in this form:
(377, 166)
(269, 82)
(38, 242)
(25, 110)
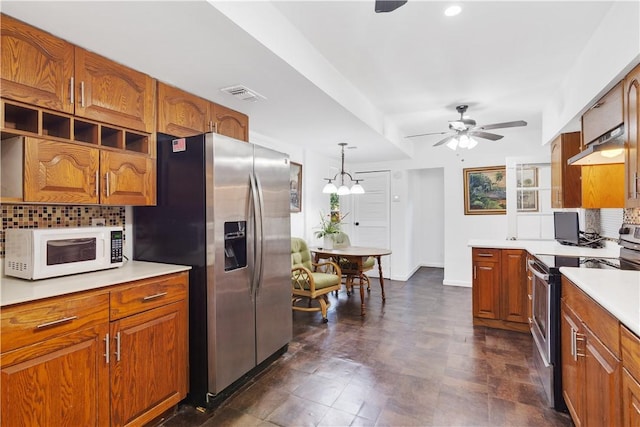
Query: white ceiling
(335, 71)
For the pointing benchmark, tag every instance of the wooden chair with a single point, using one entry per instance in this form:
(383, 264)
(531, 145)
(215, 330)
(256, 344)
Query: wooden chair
(350, 271)
(312, 280)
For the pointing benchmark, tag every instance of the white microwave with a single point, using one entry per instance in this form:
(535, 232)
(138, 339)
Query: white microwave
(39, 253)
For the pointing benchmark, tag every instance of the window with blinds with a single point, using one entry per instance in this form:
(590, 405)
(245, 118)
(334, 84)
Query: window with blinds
(610, 222)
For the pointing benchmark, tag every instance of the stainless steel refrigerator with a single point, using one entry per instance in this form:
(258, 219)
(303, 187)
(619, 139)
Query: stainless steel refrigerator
(223, 208)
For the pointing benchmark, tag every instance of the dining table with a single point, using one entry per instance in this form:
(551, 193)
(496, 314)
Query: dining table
(356, 255)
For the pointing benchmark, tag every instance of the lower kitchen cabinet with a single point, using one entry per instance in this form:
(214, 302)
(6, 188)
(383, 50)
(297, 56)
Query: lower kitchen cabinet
(117, 356)
(630, 347)
(500, 288)
(591, 367)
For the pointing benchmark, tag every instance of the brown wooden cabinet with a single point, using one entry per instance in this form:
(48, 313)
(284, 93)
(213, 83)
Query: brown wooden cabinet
(566, 189)
(110, 92)
(128, 179)
(182, 114)
(57, 172)
(230, 123)
(632, 120)
(500, 288)
(149, 368)
(591, 368)
(36, 67)
(630, 347)
(603, 186)
(116, 357)
(53, 362)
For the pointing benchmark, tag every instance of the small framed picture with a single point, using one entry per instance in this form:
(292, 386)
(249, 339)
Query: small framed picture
(527, 177)
(295, 187)
(527, 200)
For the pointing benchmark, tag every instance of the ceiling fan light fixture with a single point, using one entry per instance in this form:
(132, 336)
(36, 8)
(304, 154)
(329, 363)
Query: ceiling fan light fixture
(452, 10)
(472, 143)
(453, 143)
(463, 141)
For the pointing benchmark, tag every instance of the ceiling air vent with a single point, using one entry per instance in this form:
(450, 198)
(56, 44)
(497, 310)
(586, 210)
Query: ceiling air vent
(243, 93)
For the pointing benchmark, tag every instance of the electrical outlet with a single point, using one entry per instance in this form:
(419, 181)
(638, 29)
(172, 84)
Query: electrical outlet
(98, 222)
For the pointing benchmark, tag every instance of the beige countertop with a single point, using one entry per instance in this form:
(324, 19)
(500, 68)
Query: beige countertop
(15, 291)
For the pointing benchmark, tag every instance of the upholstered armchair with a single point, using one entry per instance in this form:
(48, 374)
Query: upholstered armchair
(349, 269)
(312, 281)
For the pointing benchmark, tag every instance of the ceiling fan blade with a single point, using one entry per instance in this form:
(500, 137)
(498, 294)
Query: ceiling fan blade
(444, 141)
(388, 5)
(485, 135)
(425, 134)
(503, 125)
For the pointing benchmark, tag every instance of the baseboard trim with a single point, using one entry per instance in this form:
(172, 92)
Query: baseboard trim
(460, 283)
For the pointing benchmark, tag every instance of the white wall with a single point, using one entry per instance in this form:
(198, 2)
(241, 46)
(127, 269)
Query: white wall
(429, 231)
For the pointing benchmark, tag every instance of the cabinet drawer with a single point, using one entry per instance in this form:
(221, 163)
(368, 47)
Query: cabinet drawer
(630, 345)
(29, 323)
(146, 294)
(484, 254)
(600, 321)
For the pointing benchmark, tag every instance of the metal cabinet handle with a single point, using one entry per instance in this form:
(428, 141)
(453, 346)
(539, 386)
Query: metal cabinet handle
(150, 297)
(485, 255)
(72, 90)
(117, 352)
(56, 322)
(579, 337)
(573, 343)
(82, 94)
(635, 185)
(107, 190)
(97, 180)
(106, 349)
(474, 272)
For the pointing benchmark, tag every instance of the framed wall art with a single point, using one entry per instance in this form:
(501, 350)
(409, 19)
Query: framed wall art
(485, 191)
(295, 187)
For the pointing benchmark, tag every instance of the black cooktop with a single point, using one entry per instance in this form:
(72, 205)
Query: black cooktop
(554, 262)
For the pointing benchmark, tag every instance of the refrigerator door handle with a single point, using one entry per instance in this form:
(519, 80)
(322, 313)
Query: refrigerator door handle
(260, 236)
(257, 223)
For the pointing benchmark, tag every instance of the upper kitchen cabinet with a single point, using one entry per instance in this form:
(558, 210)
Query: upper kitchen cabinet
(632, 117)
(180, 113)
(128, 179)
(229, 122)
(36, 68)
(604, 115)
(565, 179)
(112, 93)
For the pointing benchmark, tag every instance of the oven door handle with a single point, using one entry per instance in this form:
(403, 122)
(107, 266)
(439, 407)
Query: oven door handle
(540, 275)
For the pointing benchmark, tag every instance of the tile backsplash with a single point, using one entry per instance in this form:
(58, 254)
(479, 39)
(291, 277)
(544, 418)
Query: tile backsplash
(631, 216)
(56, 216)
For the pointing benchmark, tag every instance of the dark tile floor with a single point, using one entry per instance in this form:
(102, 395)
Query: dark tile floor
(416, 360)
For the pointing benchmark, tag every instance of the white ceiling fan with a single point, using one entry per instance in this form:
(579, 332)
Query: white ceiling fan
(463, 131)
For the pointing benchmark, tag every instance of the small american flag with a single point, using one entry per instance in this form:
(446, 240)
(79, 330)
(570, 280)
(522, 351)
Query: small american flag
(179, 145)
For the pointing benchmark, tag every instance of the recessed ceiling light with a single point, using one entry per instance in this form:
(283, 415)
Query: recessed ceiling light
(452, 10)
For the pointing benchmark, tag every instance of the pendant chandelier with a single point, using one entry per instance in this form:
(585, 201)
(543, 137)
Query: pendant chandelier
(343, 190)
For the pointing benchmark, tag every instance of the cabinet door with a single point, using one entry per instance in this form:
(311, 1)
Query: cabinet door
(630, 400)
(149, 364)
(180, 113)
(632, 118)
(486, 289)
(603, 186)
(127, 179)
(572, 352)
(229, 122)
(55, 172)
(605, 115)
(112, 93)
(64, 380)
(565, 179)
(514, 302)
(36, 67)
(602, 384)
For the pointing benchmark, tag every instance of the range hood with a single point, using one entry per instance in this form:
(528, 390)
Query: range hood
(607, 149)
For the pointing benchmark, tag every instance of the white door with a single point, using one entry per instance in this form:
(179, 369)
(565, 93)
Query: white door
(371, 215)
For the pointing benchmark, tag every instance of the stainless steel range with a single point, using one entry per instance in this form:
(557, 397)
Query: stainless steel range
(544, 272)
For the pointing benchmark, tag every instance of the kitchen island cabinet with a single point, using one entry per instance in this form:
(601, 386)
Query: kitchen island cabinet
(500, 288)
(115, 355)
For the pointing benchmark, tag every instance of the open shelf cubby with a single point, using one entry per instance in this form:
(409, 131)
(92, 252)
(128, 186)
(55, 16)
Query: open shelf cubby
(111, 137)
(85, 131)
(56, 125)
(20, 118)
(137, 142)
